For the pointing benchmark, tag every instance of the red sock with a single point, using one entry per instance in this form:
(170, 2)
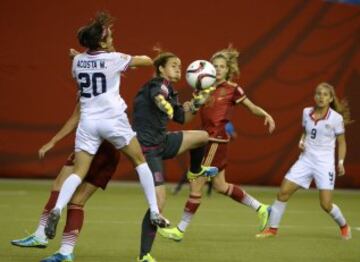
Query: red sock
(235, 192)
(192, 204)
(74, 223)
(48, 207)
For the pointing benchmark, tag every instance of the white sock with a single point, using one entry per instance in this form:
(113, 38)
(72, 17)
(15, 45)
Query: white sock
(277, 211)
(40, 232)
(336, 214)
(185, 221)
(67, 190)
(147, 182)
(251, 202)
(67, 243)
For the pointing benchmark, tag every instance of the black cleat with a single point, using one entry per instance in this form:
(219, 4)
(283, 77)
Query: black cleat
(52, 222)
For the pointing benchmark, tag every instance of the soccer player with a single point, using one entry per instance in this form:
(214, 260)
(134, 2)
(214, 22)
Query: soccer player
(214, 115)
(101, 170)
(155, 104)
(323, 125)
(230, 131)
(102, 114)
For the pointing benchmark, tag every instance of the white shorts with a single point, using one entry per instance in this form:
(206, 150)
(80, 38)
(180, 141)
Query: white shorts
(304, 171)
(91, 132)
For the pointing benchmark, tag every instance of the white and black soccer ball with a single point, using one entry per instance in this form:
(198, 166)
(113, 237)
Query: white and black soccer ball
(200, 74)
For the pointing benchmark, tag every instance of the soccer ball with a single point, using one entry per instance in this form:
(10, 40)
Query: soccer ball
(200, 74)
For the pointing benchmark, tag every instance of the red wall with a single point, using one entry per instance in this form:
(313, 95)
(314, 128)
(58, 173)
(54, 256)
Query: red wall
(287, 47)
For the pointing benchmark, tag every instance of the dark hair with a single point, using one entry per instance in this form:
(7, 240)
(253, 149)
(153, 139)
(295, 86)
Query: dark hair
(161, 59)
(91, 35)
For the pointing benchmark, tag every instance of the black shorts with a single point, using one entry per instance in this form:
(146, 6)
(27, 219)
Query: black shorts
(156, 154)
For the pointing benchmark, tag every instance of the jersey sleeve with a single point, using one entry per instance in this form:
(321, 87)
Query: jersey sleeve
(339, 126)
(122, 61)
(155, 89)
(239, 95)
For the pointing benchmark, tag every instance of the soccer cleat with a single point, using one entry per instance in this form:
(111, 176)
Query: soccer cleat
(206, 171)
(51, 224)
(267, 233)
(158, 220)
(30, 241)
(263, 214)
(146, 258)
(345, 232)
(58, 257)
(171, 233)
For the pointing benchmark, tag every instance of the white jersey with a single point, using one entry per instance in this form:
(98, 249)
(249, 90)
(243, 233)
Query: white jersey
(321, 135)
(98, 78)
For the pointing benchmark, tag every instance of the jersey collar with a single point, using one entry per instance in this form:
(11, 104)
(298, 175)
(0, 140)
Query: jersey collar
(326, 116)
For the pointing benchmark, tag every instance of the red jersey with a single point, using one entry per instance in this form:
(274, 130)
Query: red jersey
(218, 109)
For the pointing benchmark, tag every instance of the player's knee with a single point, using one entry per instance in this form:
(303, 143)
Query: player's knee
(283, 196)
(138, 159)
(204, 137)
(326, 206)
(221, 188)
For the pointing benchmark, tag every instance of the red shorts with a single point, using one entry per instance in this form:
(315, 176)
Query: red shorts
(103, 165)
(216, 155)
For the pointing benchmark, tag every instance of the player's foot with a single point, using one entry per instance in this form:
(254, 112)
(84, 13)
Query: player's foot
(51, 224)
(345, 232)
(58, 257)
(158, 220)
(171, 233)
(30, 241)
(263, 214)
(267, 233)
(146, 258)
(206, 171)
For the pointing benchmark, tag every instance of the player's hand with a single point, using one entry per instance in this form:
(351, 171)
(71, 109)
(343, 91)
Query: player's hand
(301, 145)
(45, 148)
(269, 121)
(200, 97)
(341, 169)
(73, 53)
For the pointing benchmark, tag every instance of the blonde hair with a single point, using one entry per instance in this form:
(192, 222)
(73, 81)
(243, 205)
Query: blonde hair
(340, 106)
(230, 55)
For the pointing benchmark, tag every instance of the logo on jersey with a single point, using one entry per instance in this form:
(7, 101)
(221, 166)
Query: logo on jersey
(158, 176)
(164, 90)
(327, 126)
(331, 177)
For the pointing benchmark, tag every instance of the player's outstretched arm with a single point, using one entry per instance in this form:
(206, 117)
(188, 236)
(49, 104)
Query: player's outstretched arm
(302, 141)
(199, 99)
(142, 60)
(341, 154)
(67, 128)
(258, 111)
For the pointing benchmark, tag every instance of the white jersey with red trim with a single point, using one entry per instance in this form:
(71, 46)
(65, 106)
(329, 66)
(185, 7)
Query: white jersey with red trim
(98, 78)
(321, 135)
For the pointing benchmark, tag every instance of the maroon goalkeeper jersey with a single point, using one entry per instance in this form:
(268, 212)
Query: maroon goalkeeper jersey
(219, 108)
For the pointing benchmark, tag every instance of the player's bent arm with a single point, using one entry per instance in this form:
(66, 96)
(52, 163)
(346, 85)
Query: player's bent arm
(67, 128)
(164, 105)
(141, 61)
(341, 153)
(302, 141)
(188, 111)
(258, 111)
